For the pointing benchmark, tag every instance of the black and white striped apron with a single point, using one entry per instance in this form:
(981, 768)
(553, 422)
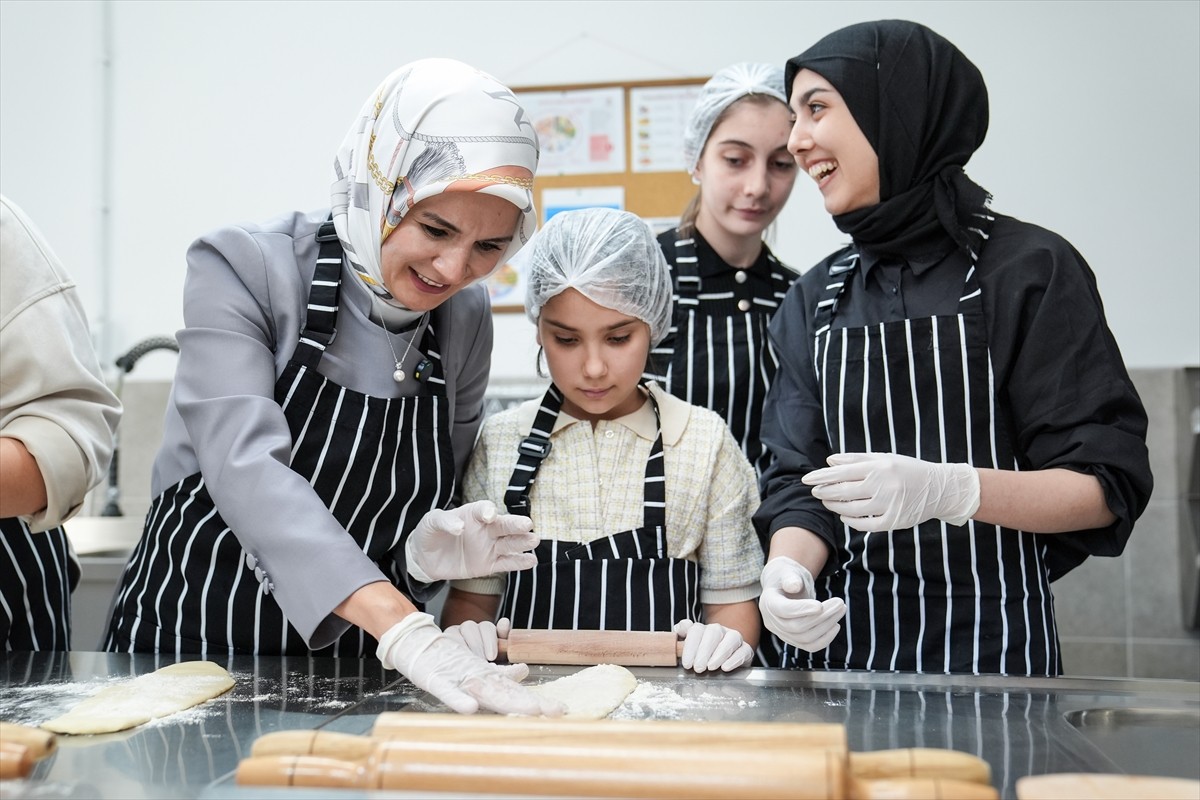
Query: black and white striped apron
(189, 587)
(38, 572)
(717, 354)
(623, 582)
(974, 598)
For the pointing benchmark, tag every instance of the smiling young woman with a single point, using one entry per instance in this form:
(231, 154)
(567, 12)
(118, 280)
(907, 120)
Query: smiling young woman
(953, 425)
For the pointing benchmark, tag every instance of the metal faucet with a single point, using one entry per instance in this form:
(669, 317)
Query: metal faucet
(125, 364)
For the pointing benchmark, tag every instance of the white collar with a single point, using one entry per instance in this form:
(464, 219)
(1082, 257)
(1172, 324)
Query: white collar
(673, 412)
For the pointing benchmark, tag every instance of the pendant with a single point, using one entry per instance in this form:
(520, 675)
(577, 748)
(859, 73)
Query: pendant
(398, 376)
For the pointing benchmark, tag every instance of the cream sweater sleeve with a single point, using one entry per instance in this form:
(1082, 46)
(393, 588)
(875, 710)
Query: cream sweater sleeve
(52, 394)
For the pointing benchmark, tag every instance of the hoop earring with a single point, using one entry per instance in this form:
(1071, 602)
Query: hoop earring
(540, 372)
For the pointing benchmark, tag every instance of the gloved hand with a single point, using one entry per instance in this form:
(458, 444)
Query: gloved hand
(470, 541)
(453, 674)
(711, 646)
(481, 638)
(887, 492)
(789, 607)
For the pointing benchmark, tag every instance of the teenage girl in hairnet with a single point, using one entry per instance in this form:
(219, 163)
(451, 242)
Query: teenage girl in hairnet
(726, 282)
(643, 502)
(952, 423)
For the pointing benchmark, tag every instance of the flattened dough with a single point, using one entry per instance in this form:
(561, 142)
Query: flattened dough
(591, 693)
(157, 694)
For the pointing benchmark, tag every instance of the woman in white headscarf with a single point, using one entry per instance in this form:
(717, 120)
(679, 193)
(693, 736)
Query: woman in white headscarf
(330, 385)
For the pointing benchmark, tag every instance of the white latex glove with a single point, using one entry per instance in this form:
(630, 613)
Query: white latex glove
(470, 541)
(481, 638)
(711, 646)
(453, 674)
(887, 492)
(790, 610)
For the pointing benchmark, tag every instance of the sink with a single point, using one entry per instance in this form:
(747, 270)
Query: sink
(98, 536)
(1144, 741)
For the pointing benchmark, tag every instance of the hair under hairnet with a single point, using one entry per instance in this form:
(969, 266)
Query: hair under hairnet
(724, 89)
(611, 257)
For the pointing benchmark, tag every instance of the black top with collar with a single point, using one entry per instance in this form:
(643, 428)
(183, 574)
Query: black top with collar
(1062, 388)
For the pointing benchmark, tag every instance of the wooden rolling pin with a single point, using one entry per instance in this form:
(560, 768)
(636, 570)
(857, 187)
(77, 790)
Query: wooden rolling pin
(1078, 786)
(41, 743)
(777, 737)
(668, 772)
(15, 760)
(626, 648)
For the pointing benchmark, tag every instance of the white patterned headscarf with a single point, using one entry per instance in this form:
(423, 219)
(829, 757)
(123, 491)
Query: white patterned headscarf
(432, 126)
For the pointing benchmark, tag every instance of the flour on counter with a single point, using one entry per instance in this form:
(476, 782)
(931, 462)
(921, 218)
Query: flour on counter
(677, 701)
(34, 703)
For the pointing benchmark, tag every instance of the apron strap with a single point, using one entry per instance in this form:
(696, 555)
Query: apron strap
(320, 323)
(687, 282)
(654, 502)
(530, 452)
(534, 448)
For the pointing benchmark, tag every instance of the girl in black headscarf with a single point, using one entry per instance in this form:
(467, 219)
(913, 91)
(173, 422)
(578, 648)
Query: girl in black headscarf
(952, 421)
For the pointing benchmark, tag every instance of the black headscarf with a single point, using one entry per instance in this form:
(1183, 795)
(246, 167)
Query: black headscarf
(924, 109)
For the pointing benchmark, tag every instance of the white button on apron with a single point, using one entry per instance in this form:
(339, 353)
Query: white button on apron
(740, 277)
(743, 305)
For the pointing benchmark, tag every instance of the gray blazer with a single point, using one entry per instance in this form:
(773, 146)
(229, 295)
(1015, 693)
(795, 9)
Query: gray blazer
(244, 305)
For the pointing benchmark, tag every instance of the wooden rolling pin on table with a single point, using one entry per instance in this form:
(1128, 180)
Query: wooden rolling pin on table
(22, 746)
(625, 648)
(439, 752)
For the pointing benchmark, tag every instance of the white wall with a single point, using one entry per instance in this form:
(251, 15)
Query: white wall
(225, 111)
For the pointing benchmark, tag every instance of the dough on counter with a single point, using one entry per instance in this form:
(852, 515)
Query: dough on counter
(157, 694)
(591, 693)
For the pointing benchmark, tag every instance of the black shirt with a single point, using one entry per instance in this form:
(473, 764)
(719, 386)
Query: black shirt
(1062, 390)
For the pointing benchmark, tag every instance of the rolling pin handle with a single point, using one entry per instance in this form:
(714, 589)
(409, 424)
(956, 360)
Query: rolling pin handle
(15, 761)
(40, 743)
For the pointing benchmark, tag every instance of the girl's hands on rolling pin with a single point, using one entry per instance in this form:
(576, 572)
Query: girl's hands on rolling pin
(790, 609)
(449, 671)
(470, 541)
(481, 638)
(711, 647)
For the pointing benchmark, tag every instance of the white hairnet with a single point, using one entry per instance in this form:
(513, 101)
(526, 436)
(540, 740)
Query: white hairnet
(611, 257)
(724, 89)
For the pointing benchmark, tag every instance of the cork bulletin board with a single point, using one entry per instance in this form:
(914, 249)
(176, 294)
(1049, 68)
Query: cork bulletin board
(617, 145)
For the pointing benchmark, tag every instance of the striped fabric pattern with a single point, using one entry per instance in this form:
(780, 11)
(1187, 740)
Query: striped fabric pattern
(625, 581)
(378, 464)
(716, 354)
(38, 572)
(937, 598)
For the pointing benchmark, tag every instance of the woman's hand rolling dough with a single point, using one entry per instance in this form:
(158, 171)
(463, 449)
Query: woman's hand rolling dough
(445, 668)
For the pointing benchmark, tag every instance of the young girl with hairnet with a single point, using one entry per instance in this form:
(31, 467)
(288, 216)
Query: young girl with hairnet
(642, 501)
(952, 424)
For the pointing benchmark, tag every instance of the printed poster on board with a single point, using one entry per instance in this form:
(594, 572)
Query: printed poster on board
(581, 132)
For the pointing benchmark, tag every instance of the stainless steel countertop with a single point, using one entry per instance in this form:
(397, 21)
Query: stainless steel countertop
(1021, 726)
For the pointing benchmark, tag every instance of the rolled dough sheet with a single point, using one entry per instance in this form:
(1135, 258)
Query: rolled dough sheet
(591, 693)
(157, 694)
